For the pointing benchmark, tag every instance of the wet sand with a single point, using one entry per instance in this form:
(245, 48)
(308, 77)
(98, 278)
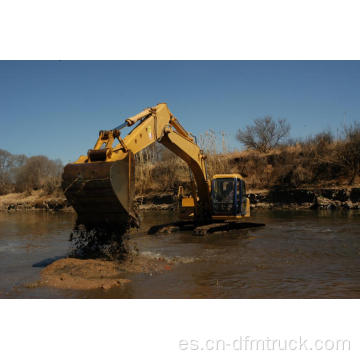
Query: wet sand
(88, 274)
(81, 275)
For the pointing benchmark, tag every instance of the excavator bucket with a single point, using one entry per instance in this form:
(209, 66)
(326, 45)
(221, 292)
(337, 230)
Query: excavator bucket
(102, 192)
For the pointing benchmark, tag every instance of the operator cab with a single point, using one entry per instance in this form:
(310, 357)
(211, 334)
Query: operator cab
(228, 196)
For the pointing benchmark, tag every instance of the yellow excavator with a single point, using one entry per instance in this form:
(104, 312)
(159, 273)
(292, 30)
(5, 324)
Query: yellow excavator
(100, 186)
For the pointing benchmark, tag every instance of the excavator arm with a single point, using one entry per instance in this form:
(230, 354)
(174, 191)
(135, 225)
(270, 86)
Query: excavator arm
(100, 186)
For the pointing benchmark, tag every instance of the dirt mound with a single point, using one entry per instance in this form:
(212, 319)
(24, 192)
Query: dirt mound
(87, 274)
(82, 274)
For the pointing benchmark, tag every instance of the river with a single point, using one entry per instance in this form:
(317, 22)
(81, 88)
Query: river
(298, 254)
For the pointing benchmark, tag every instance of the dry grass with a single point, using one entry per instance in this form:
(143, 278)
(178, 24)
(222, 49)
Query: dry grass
(301, 165)
(159, 170)
(318, 161)
(33, 197)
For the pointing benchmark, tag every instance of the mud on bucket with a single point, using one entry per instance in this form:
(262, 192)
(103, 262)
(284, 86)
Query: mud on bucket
(102, 192)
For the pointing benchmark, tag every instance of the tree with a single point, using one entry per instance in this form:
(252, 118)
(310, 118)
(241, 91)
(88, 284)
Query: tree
(349, 150)
(5, 165)
(9, 163)
(265, 134)
(38, 172)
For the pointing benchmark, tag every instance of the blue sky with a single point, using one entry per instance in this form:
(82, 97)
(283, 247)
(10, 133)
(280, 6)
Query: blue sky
(56, 108)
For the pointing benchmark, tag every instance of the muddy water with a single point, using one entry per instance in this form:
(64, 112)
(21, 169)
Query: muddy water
(299, 254)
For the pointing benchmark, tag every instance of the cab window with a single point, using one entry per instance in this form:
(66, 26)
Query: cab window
(223, 190)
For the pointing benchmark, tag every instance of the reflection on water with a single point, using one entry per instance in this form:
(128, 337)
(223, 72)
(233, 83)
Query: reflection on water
(299, 254)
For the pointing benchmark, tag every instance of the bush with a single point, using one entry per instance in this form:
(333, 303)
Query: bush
(19, 173)
(38, 172)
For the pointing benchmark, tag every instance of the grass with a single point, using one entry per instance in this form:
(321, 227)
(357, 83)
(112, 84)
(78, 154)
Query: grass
(318, 161)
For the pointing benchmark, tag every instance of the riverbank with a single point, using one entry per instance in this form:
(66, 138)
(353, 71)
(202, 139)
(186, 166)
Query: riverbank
(36, 200)
(277, 198)
(318, 198)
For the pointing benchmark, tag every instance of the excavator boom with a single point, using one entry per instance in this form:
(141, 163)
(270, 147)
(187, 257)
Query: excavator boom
(100, 186)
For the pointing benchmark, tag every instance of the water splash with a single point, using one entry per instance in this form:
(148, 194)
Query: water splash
(101, 242)
(169, 259)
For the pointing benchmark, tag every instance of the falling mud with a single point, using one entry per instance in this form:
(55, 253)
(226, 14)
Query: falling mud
(101, 242)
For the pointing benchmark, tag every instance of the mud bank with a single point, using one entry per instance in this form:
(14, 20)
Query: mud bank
(345, 198)
(157, 202)
(320, 198)
(81, 275)
(307, 198)
(34, 201)
(88, 274)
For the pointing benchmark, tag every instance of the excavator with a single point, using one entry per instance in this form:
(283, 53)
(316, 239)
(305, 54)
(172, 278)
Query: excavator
(100, 185)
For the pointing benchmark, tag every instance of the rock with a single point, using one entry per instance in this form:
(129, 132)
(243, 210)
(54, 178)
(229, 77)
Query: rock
(11, 207)
(335, 194)
(291, 196)
(55, 205)
(355, 195)
(261, 205)
(323, 203)
(256, 198)
(305, 198)
(347, 205)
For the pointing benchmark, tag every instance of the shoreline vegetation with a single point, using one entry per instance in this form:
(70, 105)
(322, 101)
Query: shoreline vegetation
(318, 198)
(321, 171)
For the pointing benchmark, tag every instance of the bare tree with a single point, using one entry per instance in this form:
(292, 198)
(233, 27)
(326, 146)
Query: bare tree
(5, 165)
(349, 150)
(265, 134)
(38, 172)
(9, 164)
